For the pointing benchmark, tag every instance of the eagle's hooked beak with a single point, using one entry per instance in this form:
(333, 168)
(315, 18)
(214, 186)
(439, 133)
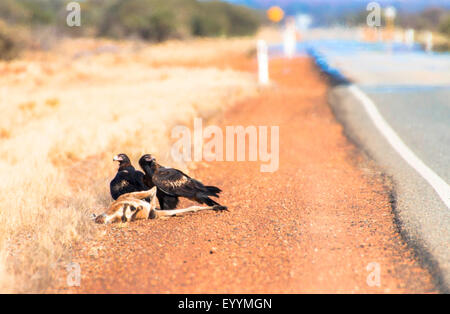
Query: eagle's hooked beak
(117, 158)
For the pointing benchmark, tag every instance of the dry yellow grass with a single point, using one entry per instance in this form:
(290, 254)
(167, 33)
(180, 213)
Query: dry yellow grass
(66, 112)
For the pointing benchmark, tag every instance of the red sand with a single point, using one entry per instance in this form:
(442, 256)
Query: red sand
(312, 226)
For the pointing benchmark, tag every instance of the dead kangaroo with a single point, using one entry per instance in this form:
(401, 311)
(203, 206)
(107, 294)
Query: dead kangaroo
(131, 206)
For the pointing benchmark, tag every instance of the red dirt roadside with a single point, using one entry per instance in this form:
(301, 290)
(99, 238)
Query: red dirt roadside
(312, 226)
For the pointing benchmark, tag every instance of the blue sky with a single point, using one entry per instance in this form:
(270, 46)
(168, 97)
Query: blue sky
(328, 10)
(406, 4)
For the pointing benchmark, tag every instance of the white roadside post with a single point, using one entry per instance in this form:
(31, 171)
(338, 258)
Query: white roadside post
(391, 14)
(429, 41)
(263, 63)
(289, 39)
(409, 37)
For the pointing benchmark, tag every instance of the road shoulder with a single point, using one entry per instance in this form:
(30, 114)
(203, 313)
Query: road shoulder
(422, 218)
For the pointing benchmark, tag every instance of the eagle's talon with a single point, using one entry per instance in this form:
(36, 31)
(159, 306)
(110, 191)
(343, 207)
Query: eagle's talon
(220, 208)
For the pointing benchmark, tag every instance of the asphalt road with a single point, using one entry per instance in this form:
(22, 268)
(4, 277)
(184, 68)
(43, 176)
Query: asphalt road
(421, 116)
(411, 91)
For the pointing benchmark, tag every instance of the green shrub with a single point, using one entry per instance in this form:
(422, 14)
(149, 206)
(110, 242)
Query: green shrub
(14, 12)
(210, 20)
(217, 18)
(44, 11)
(153, 20)
(242, 20)
(146, 19)
(12, 40)
(160, 20)
(444, 27)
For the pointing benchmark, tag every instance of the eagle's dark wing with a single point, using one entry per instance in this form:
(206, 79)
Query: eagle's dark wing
(139, 180)
(121, 184)
(176, 183)
(166, 201)
(127, 181)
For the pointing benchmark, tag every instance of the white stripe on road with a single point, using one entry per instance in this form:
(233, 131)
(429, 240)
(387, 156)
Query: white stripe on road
(438, 184)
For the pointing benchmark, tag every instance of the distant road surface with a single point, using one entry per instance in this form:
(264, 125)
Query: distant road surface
(411, 91)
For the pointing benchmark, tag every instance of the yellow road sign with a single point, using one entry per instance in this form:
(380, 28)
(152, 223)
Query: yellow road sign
(275, 14)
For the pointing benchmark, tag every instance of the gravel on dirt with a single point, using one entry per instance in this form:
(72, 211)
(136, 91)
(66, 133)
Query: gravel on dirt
(322, 223)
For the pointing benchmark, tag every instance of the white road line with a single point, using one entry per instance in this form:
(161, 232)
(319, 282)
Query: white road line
(438, 184)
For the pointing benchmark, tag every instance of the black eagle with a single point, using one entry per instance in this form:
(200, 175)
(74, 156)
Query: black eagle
(165, 200)
(127, 179)
(174, 183)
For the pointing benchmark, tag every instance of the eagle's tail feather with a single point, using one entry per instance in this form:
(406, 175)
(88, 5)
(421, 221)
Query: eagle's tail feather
(213, 190)
(206, 200)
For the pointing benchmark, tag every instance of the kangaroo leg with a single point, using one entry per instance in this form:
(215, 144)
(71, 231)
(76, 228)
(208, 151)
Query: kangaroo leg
(173, 212)
(138, 195)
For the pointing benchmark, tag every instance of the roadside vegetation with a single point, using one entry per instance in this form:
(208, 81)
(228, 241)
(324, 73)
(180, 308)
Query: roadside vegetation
(67, 111)
(12, 41)
(38, 23)
(73, 97)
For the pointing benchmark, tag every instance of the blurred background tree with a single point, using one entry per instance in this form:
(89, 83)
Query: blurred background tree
(444, 26)
(145, 19)
(215, 18)
(154, 20)
(150, 20)
(12, 40)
